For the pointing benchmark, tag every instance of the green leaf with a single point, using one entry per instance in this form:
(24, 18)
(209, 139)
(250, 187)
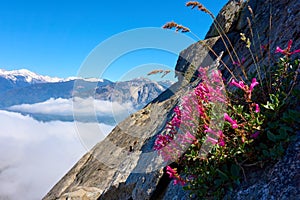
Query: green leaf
(263, 146)
(293, 138)
(294, 114)
(218, 182)
(280, 149)
(283, 135)
(266, 153)
(259, 122)
(235, 170)
(274, 99)
(222, 175)
(273, 125)
(287, 128)
(271, 136)
(269, 106)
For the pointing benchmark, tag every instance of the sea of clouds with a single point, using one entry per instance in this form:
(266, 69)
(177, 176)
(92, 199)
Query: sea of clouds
(87, 106)
(35, 155)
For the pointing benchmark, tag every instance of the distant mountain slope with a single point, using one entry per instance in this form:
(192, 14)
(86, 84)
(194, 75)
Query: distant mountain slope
(137, 91)
(22, 78)
(25, 75)
(25, 87)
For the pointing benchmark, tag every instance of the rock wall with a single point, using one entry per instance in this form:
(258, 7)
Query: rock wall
(281, 181)
(273, 23)
(124, 166)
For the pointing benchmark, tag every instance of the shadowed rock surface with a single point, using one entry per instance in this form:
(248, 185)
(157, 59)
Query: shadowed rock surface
(111, 171)
(281, 181)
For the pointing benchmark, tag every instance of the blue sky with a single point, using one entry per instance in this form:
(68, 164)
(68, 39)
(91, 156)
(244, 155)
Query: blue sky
(54, 37)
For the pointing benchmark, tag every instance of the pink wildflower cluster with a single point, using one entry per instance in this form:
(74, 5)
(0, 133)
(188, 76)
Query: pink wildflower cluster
(211, 135)
(287, 51)
(179, 132)
(248, 95)
(214, 85)
(173, 174)
(192, 113)
(247, 89)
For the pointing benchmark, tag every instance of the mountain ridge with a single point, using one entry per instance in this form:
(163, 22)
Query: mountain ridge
(18, 89)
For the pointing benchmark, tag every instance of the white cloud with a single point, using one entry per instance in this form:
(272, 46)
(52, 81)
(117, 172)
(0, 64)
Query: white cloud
(35, 155)
(66, 107)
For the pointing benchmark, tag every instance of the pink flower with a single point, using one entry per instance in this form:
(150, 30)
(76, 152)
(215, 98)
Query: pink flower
(287, 51)
(253, 84)
(201, 91)
(236, 63)
(255, 135)
(218, 134)
(189, 136)
(264, 47)
(200, 109)
(221, 140)
(239, 63)
(257, 109)
(239, 84)
(212, 140)
(179, 181)
(246, 88)
(172, 173)
(203, 88)
(176, 121)
(231, 121)
(234, 126)
(177, 111)
(296, 51)
(279, 50)
(161, 141)
(209, 130)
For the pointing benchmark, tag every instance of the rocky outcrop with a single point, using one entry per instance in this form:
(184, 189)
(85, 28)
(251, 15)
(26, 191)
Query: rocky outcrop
(227, 18)
(124, 165)
(281, 181)
(273, 23)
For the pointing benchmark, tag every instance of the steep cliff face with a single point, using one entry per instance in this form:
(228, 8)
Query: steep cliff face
(273, 23)
(124, 166)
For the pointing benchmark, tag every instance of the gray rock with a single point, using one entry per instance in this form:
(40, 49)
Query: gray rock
(281, 181)
(285, 20)
(227, 18)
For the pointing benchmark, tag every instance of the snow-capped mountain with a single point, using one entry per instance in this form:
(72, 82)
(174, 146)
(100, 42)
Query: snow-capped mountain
(16, 79)
(25, 87)
(27, 76)
(24, 75)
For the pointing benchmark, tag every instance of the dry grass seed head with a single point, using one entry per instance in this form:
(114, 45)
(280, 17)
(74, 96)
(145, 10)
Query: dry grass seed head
(194, 4)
